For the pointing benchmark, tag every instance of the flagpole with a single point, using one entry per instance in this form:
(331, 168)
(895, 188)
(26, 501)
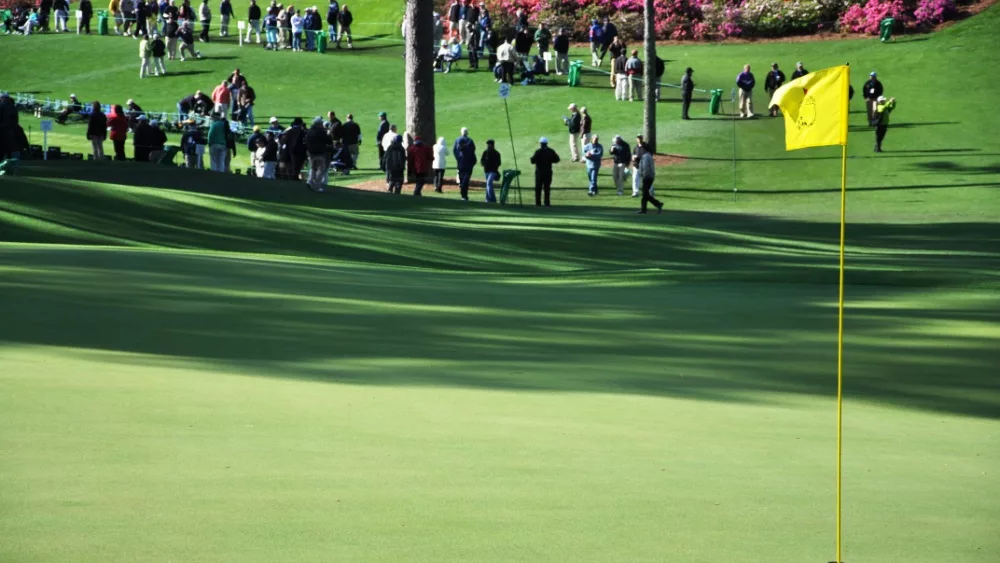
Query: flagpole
(840, 345)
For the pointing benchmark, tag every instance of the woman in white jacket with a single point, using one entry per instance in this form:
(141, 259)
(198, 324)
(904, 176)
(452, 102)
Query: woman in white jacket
(440, 157)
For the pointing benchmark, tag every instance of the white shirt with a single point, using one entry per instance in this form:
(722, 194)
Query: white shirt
(440, 157)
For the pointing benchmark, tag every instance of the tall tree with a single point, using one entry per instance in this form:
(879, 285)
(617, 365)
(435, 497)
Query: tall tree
(420, 51)
(649, 75)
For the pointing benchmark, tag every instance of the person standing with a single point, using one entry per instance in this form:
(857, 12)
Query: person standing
(464, 152)
(419, 158)
(221, 98)
(491, 162)
(440, 163)
(634, 70)
(883, 108)
(170, 29)
(351, 136)
(454, 16)
(205, 16)
(383, 129)
(318, 145)
(872, 91)
(141, 19)
(507, 57)
(157, 141)
(799, 72)
(217, 143)
(621, 155)
(586, 126)
(158, 49)
(115, 11)
(332, 15)
(253, 17)
(647, 170)
(774, 80)
(141, 140)
(745, 82)
(658, 70)
(543, 159)
(296, 30)
(573, 123)
(61, 8)
(97, 130)
(346, 19)
(395, 165)
(687, 92)
(620, 77)
(596, 36)
(561, 46)
(225, 12)
(471, 24)
(267, 159)
(543, 37)
(145, 53)
(246, 98)
(86, 13)
(637, 152)
(118, 127)
(593, 152)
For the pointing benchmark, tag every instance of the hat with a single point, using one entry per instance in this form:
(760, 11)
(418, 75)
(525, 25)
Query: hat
(4, 94)
(273, 120)
(381, 114)
(256, 128)
(689, 70)
(638, 136)
(398, 139)
(72, 95)
(154, 123)
(489, 141)
(796, 64)
(130, 101)
(873, 74)
(317, 120)
(880, 99)
(571, 106)
(141, 118)
(543, 140)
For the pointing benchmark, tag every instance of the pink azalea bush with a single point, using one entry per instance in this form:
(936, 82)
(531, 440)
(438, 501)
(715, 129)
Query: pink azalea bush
(932, 12)
(866, 19)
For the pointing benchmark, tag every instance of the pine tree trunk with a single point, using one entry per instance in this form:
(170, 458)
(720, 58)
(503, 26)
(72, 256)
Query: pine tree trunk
(649, 75)
(420, 51)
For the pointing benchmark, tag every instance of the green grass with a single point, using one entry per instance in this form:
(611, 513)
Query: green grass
(206, 368)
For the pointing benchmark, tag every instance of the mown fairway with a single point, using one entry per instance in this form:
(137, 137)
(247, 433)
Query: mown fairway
(206, 368)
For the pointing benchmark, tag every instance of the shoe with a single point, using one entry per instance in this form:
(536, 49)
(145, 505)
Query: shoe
(621, 193)
(641, 212)
(317, 189)
(635, 195)
(659, 209)
(591, 194)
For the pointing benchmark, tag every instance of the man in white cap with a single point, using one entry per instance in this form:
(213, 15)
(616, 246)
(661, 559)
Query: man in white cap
(872, 90)
(574, 123)
(274, 126)
(74, 106)
(800, 71)
(883, 108)
(543, 159)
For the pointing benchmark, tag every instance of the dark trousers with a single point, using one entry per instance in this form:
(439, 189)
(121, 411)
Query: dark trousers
(685, 104)
(141, 154)
(438, 179)
(85, 25)
(464, 176)
(543, 183)
(140, 26)
(119, 145)
(381, 156)
(418, 185)
(508, 72)
(204, 32)
(879, 136)
(647, 197)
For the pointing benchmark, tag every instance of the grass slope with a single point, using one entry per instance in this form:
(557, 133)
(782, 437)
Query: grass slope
(243, 371)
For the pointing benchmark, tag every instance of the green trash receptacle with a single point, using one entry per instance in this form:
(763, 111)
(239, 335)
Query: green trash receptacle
(885, 29)
(508, 178)
(574, 72)
(321, 41)
(715, 102)
(102, 22)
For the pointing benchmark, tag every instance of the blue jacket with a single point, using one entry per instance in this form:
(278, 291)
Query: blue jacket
(464, 152)
(596, 153)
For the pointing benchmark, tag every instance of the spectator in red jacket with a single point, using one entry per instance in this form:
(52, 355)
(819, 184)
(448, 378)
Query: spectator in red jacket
(419, 159)
(118, 124)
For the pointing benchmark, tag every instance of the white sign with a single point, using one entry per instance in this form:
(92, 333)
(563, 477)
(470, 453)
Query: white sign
(505, 91)
(547, 56)
(45, 125)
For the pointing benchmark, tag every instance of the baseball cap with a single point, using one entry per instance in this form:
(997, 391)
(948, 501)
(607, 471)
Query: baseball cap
(154, 123)
(873, 73)
(880, 99)
(571, 106)
(381, 114)
(141, 118)
(273, 120)
(256, 128)
(544, 140)
(130, 101)
(72, 95)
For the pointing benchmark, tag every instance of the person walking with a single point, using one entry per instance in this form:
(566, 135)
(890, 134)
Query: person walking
(351, 137)
(593, 152)
(419, 158)
(217, 143)
(205, 16)
(61, 8)
(745, 82)
(395, 165)
(543, 159)
(687, 92)
(145, 53)
(610, 34)
(621, 155)
(872, 91)
(440, 163)
(490, 162)
(141, 19)
(637, 152)
(596, 36)
(647, 171)
(774, 80)
(883, 108)
(560, 44)
(383, 129)
(318, 145)
(118, 127)
(573, 123)
(225, 12)
(253, 17)
(464, 152)
(634, 70)
(97, 130)
(620, 77)
(86, 13)
(345, 20)
(799, 72)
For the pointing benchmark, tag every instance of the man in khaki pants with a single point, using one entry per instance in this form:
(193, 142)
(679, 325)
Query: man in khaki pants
(574, 123)
(745, 82)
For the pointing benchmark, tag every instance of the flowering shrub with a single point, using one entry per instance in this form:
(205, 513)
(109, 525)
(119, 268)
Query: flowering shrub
(866, 20)
(769, 18)
(933, 12)
(722, 19)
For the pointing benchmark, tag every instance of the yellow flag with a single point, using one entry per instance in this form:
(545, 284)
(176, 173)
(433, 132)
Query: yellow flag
(815, 108)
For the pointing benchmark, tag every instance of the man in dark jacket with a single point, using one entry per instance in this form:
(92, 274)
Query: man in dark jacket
(464, 152)
(383, 129)
(775, 78)
(157, 140)
(621, 154)
(86, 13)
(292, 146)
(345, 19)
(543, 159)
(74, 106)
(610, 32)
(454, 16)
(253, 17)
(8, 127)
(318, 145)
(799, 72)
(491, 167)
(334, 127)
(395, 165)
(351, 137)
(141, 140)
(574, 122)
(872, 90)
(745, 83)
(560, 44)
(687, 91)
(225, 12)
